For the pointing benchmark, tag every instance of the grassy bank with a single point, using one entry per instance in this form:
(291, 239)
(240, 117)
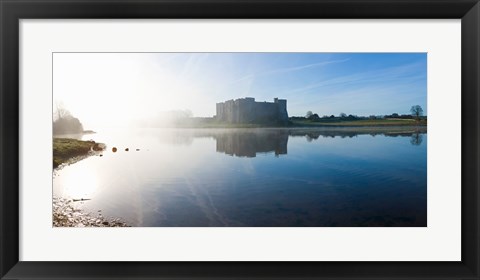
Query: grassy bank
(65, 149)
(294, 121)
(358, 123)
(307, 123)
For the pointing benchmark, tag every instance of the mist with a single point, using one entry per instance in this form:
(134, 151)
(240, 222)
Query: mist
(108, 90)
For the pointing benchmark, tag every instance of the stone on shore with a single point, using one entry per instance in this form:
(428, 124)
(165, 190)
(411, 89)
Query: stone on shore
(66, 215)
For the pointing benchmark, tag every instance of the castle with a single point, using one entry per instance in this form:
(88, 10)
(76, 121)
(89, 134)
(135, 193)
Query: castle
(246, 110)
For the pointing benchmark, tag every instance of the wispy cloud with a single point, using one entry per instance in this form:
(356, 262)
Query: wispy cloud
(302, 67)
(380, 76)
(252, 76)
(194, 64)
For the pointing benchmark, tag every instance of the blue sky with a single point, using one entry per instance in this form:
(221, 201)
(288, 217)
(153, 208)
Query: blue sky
(144, 84)
(361, 84)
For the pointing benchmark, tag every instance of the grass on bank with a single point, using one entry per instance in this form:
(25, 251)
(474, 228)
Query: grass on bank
(324, 122)
(361, 122)
(65, 149)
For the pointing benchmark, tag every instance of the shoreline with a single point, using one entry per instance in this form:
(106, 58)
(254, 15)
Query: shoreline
(65, 214)
(384, 129)
(313, 125)
(68, 151)
(294, 122)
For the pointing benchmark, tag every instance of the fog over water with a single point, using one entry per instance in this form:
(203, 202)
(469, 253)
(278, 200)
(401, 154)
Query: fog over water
(254, 177)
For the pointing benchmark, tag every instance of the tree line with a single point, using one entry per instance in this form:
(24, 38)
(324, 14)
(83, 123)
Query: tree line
(416, 112)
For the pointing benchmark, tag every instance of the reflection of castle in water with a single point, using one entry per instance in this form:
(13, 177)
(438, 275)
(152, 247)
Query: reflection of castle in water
(250, 142)
(243, 144)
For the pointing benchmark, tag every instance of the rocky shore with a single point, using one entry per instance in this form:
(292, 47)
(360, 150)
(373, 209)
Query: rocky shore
(69, 151)
(65, 214)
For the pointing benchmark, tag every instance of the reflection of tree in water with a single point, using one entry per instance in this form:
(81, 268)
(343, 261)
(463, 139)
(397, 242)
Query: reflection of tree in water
(311, 135)
(416, 139)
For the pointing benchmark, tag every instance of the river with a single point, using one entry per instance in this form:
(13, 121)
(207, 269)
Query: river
(323, 177)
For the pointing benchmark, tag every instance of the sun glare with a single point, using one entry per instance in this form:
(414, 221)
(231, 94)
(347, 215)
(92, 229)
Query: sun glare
(80, 184)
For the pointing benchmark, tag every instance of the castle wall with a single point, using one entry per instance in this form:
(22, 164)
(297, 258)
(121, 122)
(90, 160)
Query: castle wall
(246, 110)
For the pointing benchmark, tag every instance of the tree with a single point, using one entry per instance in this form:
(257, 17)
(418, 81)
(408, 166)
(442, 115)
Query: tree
(64, 122)
(416, 111)
(314, 117)
(60, 111)
(67, 125)
(343, 115)
(308, 114)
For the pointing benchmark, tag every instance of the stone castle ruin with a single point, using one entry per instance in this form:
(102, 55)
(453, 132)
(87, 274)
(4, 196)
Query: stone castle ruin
(247, 110)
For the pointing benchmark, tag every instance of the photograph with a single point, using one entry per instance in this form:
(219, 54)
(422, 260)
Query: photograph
(276, 139)
(239, 139)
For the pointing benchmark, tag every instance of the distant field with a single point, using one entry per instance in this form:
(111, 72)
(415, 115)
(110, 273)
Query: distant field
(369, 122)
(211, 123)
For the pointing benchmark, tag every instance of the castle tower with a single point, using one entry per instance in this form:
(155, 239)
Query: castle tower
(282, 110)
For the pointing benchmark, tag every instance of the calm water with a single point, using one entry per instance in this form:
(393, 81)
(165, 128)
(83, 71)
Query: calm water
(248, 177)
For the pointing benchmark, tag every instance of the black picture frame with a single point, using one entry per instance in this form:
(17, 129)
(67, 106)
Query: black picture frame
(11, 11)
